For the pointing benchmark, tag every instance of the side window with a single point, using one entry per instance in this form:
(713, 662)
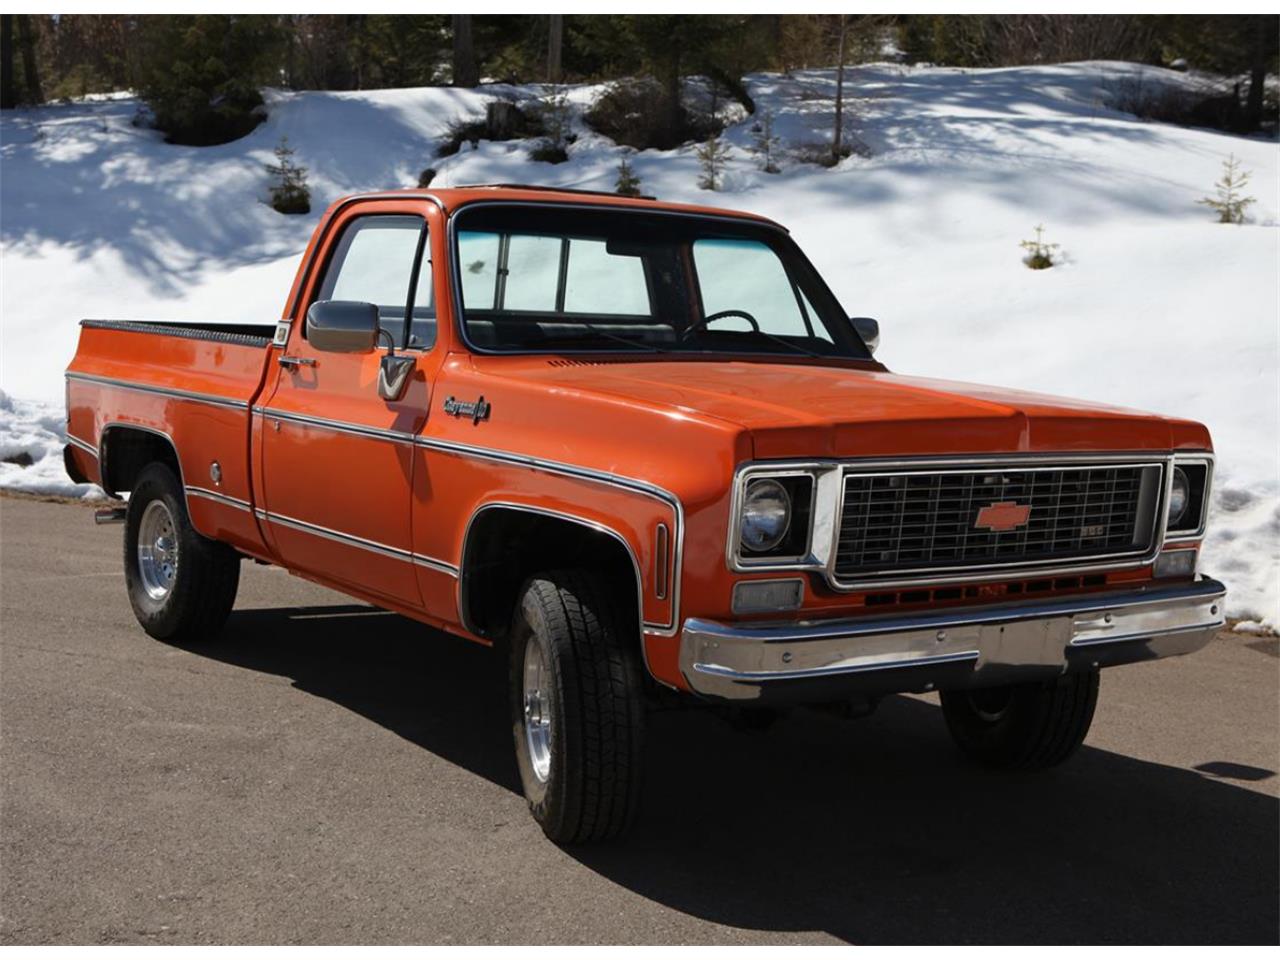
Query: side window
(373, 263)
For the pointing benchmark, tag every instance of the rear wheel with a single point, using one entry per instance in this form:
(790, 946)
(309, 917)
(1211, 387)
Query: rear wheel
(577, 706)
(1026, 726)
(181, 585)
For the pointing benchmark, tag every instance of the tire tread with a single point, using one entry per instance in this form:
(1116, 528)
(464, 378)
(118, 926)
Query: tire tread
(601, 704)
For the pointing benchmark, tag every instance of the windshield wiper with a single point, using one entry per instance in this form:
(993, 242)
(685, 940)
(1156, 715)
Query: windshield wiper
(786, 343)
(613, 336)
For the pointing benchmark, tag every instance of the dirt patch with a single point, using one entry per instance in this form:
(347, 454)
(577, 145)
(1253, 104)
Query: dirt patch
(53, 498)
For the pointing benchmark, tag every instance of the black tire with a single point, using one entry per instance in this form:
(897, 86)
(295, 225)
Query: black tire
(1027, 726)
(205, 576)
(585, 637)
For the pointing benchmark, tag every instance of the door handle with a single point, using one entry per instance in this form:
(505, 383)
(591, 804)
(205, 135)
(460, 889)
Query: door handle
(288, 361)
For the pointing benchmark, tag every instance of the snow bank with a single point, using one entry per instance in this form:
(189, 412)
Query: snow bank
(1154, 306)
(31, 442)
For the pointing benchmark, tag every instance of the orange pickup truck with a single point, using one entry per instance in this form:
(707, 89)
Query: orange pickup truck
(642, 449)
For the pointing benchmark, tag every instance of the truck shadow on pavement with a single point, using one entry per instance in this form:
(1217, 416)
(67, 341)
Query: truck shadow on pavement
(871, 831)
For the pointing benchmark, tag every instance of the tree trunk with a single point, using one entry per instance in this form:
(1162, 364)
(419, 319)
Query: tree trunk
(672, 108)
(465, 73)
(1257, 72)
(501, 120)
(356, 47)
(555, 44)
(8, 95)
(839, 130)
(290, 51)
(30, 69)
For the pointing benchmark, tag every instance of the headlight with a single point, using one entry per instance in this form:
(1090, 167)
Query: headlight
(1179, 496)
(1188, 496)
(766, 515)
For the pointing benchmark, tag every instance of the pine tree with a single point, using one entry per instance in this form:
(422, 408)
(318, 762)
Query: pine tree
(628, 184)
(200, 73)
(1230, 204)
(712, 155)
(766, 143)
(289, 193)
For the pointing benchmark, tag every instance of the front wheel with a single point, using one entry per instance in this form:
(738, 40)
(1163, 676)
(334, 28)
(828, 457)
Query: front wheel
(577, 707)
(181, 585)
(1026, 726)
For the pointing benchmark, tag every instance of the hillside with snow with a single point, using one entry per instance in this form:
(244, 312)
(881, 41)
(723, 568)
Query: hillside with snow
(1153, 306)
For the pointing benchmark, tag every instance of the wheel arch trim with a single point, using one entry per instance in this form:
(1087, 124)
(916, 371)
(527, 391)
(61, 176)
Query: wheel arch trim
(187, 491)
(122, 425)
(585, 522)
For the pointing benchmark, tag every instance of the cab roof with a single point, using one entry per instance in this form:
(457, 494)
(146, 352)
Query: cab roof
(452, 198)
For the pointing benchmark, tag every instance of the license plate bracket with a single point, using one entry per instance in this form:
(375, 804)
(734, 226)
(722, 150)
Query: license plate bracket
(1025, 643)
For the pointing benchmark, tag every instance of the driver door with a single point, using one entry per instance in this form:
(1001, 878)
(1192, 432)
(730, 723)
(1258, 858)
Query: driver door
(337, 458)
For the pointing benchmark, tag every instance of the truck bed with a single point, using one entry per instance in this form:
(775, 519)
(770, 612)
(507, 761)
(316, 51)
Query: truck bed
(189, 386)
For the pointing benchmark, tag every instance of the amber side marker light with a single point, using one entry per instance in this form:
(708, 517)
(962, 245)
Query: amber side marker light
(1176, 563)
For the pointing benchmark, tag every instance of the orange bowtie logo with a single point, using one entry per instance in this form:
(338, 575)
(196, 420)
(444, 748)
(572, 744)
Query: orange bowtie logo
(1003, 516)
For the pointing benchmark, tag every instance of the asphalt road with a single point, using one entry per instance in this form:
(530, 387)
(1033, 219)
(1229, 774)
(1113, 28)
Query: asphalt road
(330, 773)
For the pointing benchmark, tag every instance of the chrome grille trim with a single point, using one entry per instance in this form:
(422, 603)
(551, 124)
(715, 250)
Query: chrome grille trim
(928, 514)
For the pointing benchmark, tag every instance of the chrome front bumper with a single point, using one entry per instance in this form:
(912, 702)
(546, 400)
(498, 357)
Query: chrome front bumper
(818, 660)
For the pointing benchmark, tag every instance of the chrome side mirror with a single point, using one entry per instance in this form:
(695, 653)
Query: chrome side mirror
(869, 330)
(342, 326)
(349, 326)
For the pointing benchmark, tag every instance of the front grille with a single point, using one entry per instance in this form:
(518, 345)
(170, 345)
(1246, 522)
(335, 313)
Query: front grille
(909, 522)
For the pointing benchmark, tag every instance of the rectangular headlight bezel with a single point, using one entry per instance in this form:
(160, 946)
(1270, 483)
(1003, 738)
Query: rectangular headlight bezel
(804, 481)
(1199, 470)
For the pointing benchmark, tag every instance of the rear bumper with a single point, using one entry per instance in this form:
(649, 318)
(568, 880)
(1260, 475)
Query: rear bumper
(816, 660)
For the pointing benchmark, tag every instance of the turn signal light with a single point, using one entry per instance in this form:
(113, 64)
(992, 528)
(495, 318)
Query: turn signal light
(767, 596)
(1176, 563)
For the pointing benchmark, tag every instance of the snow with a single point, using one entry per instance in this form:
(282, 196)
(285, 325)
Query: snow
(31, 441)
(1153, 305)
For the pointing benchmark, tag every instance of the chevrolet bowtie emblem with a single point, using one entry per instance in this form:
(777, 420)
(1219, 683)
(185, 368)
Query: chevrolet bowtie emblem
(1003, 516)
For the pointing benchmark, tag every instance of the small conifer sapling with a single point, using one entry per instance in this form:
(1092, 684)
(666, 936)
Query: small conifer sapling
(628, 184)
(765, 143)
(712, 156)
(1039, 254)
(1230, 202)
(289, 191)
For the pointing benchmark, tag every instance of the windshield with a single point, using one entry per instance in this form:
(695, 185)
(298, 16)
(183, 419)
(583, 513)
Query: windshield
(549, 279)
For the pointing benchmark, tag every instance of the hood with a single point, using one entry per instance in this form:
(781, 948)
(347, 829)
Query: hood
(812, 410)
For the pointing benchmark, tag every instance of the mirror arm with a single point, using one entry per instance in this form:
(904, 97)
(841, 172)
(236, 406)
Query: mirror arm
(391, 341)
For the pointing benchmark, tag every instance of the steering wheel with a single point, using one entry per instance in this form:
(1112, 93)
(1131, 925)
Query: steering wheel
(697, 325)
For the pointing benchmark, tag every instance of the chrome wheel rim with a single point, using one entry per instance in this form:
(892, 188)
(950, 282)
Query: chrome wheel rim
(157, 550)
(537, 710)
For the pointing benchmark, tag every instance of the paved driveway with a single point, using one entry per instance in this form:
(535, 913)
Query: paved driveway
(330, 773)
